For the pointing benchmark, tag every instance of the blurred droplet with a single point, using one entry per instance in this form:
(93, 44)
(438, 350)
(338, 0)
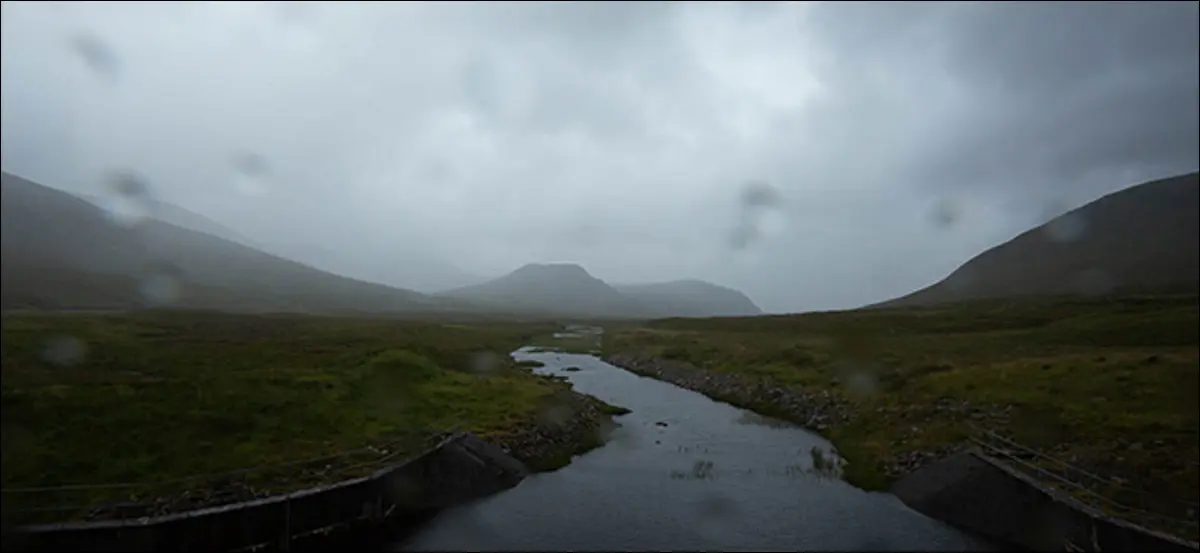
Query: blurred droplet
(742, 237)
(1094, 282)
(945, 214)
(251, 172)
(96, 54)
(715, 507)
(858, 378)
(483, 362)
(160, 289)
(758, 194)
(1066, 228)
(555, 414)
(64, 351)
(291, 11)
(760, 215)
(127, 199)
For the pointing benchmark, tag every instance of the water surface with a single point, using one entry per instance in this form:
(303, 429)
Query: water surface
(684, 472)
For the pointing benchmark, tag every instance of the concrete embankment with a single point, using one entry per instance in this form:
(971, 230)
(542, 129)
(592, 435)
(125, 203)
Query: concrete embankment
(979, 494)
(461, 468)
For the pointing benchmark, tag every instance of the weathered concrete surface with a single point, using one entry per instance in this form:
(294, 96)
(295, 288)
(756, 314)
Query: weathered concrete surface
(459, 469)
(977, 493)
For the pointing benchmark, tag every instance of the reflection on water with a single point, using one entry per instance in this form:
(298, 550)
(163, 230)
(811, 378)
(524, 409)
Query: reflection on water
(685, 472)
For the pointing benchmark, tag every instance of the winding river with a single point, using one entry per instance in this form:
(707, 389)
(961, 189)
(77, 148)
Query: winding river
(684, 472)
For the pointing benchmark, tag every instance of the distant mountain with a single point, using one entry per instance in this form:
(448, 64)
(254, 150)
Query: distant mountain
(560, 288)
(60, 251)
(1142, 239)
(689, 298)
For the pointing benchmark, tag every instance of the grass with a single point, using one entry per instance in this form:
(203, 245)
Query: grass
(152, 396)
(1108, 384)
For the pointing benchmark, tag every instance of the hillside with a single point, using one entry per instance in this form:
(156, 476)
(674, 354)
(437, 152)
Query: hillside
(558, 288)
(1139, 240)
(62, 252)
(689, 298)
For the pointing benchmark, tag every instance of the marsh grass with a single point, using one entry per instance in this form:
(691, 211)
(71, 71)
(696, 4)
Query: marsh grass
(156, 396)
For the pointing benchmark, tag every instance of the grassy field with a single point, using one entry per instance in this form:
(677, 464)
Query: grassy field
(92, 398)
(1107, 384)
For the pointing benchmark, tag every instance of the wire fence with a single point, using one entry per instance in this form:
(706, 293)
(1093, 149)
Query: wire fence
(137, 500)
(1113, 497)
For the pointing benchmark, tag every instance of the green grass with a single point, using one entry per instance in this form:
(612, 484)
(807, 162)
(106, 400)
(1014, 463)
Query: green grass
(1110, 383)
(163, 395)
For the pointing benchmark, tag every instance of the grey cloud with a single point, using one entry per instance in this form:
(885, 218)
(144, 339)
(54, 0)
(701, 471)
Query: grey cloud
(614, 134)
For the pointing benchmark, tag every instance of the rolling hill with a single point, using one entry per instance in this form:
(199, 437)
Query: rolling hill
(62, 252)
(1142, 239)
(689, 298)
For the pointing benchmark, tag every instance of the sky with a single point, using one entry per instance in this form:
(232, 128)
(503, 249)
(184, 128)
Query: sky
(812, 155)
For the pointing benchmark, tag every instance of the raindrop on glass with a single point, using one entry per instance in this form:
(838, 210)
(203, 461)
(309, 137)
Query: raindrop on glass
(127, 199)
(1068, 227)
(251, 171)
(64, 351)
(96, 54)
(483, 362)
(945, 214)
(160, 289)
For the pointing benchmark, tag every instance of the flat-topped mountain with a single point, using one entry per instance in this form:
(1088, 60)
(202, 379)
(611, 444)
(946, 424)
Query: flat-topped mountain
(551, 288)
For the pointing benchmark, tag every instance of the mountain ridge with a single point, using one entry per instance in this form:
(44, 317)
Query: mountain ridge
(1141, 239)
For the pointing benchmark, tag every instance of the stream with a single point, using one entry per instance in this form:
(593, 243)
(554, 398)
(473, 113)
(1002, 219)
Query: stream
(684, 472)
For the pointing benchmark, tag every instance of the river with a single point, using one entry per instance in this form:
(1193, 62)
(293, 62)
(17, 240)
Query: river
(684, 472)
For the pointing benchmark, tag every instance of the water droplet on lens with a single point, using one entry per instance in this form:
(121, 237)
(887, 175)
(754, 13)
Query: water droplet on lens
(127, 199)
(757, 194)
(945, 214)
(160, 289)
(1066, 228)
(64, 351)
(96, 54)
(1094, 282)
(251, 172)
(483, 362)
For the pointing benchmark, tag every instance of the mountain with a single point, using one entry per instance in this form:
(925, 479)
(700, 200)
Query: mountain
(1142, 239)
(559, 288)
(60, 251)
(689, 298)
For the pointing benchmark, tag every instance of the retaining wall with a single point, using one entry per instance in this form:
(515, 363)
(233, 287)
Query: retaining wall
(974, 492)
(459, 469)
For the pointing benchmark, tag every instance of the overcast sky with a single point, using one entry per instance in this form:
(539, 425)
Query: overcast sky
(871, 147)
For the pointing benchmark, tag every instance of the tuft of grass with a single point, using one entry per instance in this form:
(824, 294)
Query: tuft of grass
(152, 396)
(1109, 384)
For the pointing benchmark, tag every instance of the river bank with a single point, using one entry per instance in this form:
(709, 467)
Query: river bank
(132, 415)
(1101, 392)
(821, 412)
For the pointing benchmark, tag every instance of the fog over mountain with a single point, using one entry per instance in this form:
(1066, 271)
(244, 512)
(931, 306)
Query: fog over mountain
(808, 155)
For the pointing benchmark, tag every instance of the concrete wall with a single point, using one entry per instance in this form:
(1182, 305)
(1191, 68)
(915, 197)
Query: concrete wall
(979, 494)
(459, 469)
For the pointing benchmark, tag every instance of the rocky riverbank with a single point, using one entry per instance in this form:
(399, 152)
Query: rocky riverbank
(817, 411)
(567, 424)
(821, 412)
